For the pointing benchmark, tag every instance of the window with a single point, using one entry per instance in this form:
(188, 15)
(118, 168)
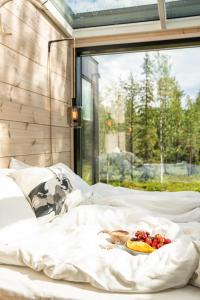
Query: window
(149, 119)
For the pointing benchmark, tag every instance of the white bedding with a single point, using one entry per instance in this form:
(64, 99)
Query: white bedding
(70, 249)
(20, 283)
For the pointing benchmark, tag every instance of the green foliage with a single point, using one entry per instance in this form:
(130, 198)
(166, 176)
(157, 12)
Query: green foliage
(161, 125)
(147, 138)
(157, 186)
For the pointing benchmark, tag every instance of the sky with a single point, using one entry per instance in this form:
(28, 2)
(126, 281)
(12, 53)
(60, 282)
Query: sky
(185, 67)
(95, 5)
(92, 5)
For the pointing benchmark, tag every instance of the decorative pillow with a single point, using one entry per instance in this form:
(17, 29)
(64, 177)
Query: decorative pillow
(14, 206)
(75, 179)
(46, 189)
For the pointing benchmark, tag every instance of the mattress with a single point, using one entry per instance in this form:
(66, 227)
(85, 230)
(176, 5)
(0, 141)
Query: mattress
(23, 283)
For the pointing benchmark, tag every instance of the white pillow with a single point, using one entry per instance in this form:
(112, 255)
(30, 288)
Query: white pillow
(6, 171)
(13, 205)
(17, 164)
(77, 181)
(46, 189)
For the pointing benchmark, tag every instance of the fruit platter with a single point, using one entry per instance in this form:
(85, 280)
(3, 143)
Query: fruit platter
(143, 243)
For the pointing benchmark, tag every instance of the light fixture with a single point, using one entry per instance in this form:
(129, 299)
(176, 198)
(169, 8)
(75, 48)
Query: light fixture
(74, 111)
(74, 115)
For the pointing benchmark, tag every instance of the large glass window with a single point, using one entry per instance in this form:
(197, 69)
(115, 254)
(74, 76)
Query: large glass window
(149, 119)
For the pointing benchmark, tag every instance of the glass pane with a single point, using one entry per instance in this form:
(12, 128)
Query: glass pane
(90, 13)
(87, 131)
(182, 8)
(80, 6)
(149, 119)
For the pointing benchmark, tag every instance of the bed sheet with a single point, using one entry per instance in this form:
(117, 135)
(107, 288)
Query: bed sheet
(19, 283)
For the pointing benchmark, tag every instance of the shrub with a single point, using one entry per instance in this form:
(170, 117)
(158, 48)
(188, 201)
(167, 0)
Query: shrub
(174, 186)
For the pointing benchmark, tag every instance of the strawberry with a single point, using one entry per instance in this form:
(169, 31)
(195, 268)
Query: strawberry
(140, 237)
(148, 240)
(145, 235)
(155, 243)
(167, 241)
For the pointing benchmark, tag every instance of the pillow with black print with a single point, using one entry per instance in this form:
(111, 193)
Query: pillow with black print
(47, 190)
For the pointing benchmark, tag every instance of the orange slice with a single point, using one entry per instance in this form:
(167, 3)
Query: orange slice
(139, 246)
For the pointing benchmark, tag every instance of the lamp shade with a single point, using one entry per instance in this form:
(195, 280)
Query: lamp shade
(74, 116)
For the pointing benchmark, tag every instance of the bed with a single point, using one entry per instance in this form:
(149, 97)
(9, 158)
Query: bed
(64, 257)
(23, 283)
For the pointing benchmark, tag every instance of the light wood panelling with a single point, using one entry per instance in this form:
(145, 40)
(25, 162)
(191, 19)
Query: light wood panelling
(32, 116)
(35, 18)
(20, 105)
(18, 41)
(41, 160)
(25, 138)
(20, 71)
(170, 34)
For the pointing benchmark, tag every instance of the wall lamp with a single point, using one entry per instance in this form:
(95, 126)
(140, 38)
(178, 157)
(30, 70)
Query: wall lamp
(74, 115)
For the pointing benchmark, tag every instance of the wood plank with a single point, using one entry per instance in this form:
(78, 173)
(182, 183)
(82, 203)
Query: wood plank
(20, 105)
(25, 41)
(32, 146)
(40, 160)
(17, 95)
(139, 37)
(60, 88)
(19, 71)
(13, 130)
(24, 113)
(35, 18)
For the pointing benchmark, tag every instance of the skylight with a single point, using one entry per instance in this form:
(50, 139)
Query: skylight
(93, 13)
(96, 5)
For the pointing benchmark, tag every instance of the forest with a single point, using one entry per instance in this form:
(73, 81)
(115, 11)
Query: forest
(161, 126)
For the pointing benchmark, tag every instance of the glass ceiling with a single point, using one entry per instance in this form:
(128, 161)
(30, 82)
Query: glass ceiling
(96, 5)
(92, 13)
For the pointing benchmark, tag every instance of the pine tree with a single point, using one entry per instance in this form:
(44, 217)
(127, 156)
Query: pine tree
(131, 89)
(170, 127)
(192, 133)
(147, 137)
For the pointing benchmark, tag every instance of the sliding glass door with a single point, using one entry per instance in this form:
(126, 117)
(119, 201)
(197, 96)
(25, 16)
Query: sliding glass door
(88, 141)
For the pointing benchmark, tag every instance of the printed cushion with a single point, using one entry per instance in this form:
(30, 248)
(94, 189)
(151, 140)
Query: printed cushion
(47, 190)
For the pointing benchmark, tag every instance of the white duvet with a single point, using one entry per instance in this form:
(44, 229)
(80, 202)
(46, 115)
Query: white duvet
(69, 248)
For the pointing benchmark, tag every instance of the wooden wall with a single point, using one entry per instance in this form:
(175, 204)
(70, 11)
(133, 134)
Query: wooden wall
(24, 88)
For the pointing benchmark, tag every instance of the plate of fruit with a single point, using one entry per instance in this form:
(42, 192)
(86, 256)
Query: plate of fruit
(143, 243)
